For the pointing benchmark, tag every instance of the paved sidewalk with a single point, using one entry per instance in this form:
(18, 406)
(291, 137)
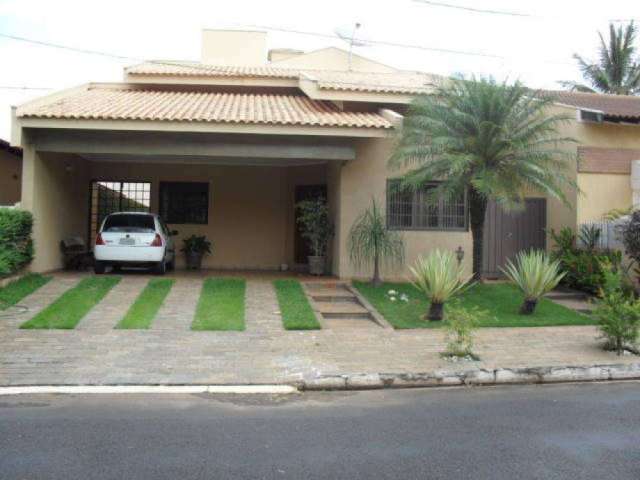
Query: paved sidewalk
(265, 352)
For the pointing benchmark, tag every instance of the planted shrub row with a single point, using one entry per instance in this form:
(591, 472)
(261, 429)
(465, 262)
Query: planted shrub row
(16, 247)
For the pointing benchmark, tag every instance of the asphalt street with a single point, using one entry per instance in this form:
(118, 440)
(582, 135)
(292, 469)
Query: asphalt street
(520, 432)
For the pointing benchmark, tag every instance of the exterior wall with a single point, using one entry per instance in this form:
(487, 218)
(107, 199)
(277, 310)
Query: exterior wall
(251, 208)
(234, 47)
(54, 190)
(364, 179)
(332, 59)
(10, 178)
(603, 193)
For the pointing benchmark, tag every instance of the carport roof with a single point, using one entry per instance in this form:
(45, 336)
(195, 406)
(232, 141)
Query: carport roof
(131, 102)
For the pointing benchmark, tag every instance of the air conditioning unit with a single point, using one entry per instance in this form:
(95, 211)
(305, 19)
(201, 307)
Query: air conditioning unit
(591, 116)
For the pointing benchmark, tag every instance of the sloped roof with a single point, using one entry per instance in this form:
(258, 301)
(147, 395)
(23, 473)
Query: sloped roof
(144, 103)
(620, 106)
(396, 82)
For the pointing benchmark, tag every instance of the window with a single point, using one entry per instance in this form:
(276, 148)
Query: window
(138, 223)
(184, 202)
(415, 210)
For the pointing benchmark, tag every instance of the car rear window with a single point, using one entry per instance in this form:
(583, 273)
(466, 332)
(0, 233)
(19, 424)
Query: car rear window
(129, 224)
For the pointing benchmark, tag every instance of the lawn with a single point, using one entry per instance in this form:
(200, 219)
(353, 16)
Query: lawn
(501, 302)
(294, 306)
(73, 305)
(221, 305)
(20, 288)
(144, 309)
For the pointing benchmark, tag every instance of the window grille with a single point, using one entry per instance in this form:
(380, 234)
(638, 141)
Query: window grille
(417, 210)
(184, 202)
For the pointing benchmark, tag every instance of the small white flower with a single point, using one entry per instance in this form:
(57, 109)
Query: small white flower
(392, 292)
(393, 299)
(404, 297)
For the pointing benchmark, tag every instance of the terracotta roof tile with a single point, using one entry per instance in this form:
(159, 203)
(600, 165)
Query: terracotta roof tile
(104, 103)
(622, 106)
(396, 82)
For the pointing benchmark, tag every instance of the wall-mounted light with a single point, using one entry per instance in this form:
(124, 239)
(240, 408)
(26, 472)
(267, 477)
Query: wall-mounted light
(459, 254)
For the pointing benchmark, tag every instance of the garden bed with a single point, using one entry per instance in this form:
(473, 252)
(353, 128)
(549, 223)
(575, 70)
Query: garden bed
(500, 301)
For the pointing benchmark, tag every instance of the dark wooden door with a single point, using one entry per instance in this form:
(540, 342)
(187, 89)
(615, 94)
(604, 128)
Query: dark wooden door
(302, 247)
(507, 233)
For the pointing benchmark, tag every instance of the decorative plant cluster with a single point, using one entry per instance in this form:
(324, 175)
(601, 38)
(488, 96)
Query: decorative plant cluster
(618, 314)
(316, 225)
(460, 326)
(582, 266)
(394, 296)
(16, 247)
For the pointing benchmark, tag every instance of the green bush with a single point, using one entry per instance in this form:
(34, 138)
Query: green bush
(460, 326)
(583, 268)
(16, 247)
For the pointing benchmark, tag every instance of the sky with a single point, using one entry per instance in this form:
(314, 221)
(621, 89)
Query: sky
(534, 43)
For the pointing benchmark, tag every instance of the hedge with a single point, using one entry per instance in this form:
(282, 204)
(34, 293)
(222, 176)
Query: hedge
(16, 247)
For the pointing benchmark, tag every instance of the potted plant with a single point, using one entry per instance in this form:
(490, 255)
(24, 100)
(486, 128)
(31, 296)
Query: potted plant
(195, 247)
(317, 228)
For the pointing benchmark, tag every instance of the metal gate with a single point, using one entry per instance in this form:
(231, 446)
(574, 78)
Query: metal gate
(507, 233)
(110, 197)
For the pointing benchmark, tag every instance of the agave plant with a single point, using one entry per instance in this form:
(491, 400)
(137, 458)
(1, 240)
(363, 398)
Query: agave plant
(535, 274)
(440, 277)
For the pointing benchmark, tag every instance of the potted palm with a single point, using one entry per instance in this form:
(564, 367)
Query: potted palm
(317, 228)
(195, 247)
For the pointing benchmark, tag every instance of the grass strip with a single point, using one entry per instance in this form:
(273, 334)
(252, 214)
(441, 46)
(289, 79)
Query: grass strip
(146, 306)
(501, 302)
(18, 289)
(73, 305)
(221, 305)
(294, 306)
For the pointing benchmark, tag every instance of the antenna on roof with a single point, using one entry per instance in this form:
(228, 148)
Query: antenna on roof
(350, 37)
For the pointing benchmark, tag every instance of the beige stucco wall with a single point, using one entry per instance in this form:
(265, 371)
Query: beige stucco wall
(364, 179)
(603, 193)
(10, 178)
(54, 189)
(332, 59)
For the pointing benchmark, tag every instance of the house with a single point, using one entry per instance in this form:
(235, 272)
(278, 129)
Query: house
(10, 173)
(225, 147)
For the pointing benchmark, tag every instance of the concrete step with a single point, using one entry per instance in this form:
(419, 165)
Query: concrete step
(350, 323)
(334, 298)
(567, 296)
(342, 308)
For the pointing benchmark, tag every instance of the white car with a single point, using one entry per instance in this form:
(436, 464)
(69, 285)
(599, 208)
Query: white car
(134, 239)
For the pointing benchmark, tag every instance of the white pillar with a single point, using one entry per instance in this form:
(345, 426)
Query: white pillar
(635, 183)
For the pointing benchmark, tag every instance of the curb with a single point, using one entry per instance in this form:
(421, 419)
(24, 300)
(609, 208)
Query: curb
(159, 389)
(498, 376)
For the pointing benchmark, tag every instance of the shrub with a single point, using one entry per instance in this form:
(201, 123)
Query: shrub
(583, 268)
(440, 278)
(16, 247)
(460, 326)
(631, 237)
(535, 274)
(316, 224)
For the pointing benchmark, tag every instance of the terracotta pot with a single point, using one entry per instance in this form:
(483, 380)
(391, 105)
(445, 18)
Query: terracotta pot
(194, 260)
(316, 264)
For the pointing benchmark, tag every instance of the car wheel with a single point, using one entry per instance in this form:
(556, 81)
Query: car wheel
(99, 267)
(160, 268)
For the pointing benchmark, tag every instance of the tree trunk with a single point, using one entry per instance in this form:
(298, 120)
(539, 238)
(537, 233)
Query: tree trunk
(528, 307)
(376, 281)
(436, 311)
(477, 212)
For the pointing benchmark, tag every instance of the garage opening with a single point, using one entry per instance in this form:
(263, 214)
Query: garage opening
(107, 196)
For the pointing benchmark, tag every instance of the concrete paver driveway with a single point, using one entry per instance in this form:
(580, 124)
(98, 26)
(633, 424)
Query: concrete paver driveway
(169, 352)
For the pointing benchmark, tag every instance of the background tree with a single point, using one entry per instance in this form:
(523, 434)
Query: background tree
(370, 242)
(617, 71)
(495, 140)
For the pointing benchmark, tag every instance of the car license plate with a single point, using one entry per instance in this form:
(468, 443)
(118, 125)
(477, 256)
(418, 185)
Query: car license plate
(127, 241)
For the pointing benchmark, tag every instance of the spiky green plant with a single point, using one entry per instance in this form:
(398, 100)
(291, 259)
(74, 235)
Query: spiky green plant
(617, 71)
(493, 140)
(370, 242)
(535, 274)
(440, 277)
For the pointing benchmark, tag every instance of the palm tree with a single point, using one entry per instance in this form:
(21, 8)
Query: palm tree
(370, 242)
(618, 69)
(494, 140)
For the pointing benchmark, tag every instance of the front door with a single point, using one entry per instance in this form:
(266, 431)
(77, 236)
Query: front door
(507, 233)
(301, 245)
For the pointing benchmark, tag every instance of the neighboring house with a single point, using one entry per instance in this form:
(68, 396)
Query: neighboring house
(10, 173)
(226, 147)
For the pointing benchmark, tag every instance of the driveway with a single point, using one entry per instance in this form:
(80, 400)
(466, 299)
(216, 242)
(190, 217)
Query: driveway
(170, 353)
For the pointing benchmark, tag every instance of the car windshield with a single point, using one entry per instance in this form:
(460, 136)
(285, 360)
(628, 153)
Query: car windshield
(129, 224)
